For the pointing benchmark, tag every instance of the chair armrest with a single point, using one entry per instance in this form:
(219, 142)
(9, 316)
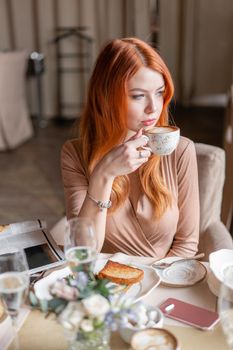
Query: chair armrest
(215, 237)
(58, 231)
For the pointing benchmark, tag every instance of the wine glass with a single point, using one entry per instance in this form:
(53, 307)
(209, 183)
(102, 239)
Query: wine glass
(14, 282)
(225, 304)
(80, 245)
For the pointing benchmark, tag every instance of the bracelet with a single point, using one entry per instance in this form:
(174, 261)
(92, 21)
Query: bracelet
(101, 204)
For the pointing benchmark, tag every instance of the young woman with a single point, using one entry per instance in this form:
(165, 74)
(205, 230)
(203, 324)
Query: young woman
(141, 204)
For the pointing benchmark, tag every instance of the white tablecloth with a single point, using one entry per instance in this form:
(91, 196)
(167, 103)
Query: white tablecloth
(39, 333)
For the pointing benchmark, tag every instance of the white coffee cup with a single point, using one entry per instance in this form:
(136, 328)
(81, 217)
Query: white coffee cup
(162, 139)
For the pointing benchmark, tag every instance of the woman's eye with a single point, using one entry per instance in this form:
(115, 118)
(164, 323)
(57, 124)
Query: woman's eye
(160, 93)
(137, 97)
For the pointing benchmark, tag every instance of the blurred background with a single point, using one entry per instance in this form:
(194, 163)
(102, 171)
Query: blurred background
(47, 51)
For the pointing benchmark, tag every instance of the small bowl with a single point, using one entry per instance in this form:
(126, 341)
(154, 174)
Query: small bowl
(128, 331)
(219, 261)
(214, 283)
(151, 338)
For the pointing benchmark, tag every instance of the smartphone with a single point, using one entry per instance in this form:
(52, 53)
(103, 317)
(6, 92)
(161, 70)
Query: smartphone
(188, 313)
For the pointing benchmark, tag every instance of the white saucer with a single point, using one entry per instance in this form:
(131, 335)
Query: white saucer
(139, 290)
(183, 274)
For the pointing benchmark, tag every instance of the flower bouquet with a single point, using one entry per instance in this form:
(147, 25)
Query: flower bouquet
(88, 309)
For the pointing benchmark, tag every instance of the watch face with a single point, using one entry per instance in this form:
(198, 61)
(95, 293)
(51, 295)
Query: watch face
(104, 204)
(101, 204)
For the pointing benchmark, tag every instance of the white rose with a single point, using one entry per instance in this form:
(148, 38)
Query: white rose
(96, 305)
(72, 315)
(86, 325)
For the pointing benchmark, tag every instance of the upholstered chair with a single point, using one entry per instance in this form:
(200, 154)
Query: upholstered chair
(211, 172)
(227, 205)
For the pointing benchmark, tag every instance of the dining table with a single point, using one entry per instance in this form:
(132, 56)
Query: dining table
(39, 332)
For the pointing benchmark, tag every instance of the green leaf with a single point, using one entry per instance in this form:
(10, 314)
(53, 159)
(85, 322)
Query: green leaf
(60, 308)
(56, 302)
(77, 268)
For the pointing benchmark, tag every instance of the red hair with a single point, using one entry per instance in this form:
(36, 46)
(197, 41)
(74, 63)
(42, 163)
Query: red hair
(103, 123)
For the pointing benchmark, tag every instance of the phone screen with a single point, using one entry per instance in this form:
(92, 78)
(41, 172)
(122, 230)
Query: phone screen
(189, 313)
(38, 256)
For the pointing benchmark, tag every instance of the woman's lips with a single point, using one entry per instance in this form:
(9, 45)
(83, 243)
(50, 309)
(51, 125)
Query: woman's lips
(148, 122)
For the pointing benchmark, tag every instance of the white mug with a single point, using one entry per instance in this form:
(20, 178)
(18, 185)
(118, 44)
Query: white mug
(162, 139)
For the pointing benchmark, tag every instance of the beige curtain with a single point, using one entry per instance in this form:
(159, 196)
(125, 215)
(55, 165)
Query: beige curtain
(31, 25)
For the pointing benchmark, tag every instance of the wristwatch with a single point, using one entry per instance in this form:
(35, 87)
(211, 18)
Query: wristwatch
(101, 204)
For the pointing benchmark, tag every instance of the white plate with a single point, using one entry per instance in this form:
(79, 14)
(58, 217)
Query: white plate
(139, 290)
(183, 274)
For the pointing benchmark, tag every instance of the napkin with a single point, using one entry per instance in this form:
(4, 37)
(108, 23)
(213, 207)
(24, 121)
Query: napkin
(41, 287)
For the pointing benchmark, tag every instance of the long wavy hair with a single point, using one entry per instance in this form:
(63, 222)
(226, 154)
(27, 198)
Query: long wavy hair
(103, 124)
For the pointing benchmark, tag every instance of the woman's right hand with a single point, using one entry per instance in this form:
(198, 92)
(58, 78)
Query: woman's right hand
(125, 158)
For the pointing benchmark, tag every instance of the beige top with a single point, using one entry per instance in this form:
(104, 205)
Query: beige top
(132, 229)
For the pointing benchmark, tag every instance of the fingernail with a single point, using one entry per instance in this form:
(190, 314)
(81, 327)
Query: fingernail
(146, 148)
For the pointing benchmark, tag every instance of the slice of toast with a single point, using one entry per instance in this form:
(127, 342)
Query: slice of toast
(121, 273)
